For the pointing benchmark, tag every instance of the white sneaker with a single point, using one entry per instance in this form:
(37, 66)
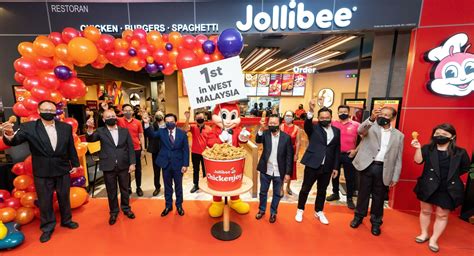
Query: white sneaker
(321, 217)
(299, 215)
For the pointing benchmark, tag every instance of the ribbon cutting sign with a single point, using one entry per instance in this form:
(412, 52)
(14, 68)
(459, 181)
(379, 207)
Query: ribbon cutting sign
(214, 83)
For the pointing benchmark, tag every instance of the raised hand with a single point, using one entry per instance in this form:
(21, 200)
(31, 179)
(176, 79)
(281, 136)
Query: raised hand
(312, 105)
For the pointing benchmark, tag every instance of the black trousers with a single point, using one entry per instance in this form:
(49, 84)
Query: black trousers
(197, 160)
(138, 170)
(349, 175)
(123, 178)
(156, 172)
(371, 183)
(310, 177)
(45, 188)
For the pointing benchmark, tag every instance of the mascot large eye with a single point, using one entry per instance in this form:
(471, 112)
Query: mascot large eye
(469, 67)
(224, 116)
(451, 72)
(233, 116)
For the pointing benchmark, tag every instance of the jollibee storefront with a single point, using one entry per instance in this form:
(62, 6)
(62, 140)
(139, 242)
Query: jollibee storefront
(410, 55)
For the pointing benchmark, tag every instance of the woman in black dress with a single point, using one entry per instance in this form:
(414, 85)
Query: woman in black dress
(440, 184)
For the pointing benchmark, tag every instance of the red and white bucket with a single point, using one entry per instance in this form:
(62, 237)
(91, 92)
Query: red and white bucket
(224, 175)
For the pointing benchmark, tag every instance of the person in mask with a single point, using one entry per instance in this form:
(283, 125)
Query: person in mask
(103, 106)
(300, 113)
(135, 129)
(348, 151)
(116, 160)
(154, 149)
(254, 110)
(321, 160)
(54, 156)
(440, 185)
(173, 158)
(295, 134)
(379, 162)
(199, 134)
(275, 164)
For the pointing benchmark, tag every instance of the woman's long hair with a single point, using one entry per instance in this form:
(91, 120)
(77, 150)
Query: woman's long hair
(452, 143)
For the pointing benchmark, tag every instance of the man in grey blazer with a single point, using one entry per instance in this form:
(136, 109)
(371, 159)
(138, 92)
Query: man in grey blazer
(379, 161)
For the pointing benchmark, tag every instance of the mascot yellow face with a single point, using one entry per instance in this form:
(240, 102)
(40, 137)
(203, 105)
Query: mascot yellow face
(226, 115)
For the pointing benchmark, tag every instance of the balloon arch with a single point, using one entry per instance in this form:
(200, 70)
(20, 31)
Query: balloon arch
(46, 71)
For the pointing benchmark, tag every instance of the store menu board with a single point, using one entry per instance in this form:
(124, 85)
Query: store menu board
(357, 107)
(275, 84)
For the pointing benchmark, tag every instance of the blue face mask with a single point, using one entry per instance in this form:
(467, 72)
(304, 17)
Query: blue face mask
(170, 125)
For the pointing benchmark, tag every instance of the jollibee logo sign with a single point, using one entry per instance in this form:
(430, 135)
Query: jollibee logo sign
(453, 72)
(291, 15)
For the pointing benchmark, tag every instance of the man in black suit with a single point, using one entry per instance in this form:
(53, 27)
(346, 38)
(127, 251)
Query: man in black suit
(116, 160)
(54, 157)
(275, 164)
(154, 149)
(321, 159)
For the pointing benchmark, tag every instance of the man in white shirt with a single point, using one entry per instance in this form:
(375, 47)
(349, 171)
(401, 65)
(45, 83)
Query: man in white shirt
(275, 164)
(379, 161)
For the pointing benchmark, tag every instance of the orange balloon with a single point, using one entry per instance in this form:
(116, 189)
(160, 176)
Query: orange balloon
(78, 196)
(7, 214)
(135, 43)
(44, 46)
(22, 182)
(133, 64)
(92, 33)
(120, 44)
(81, 150)
(61, 52)
(102, 59)
(173, 55)
(150, 59)
(199, 52)
(24, 215)
(154, 38)
(217, 56)
(19, 193)
(28, 199)
(175, 39)
(127, 34)
(26, 50)
(82, 50)
(56, 96)
(58, 62)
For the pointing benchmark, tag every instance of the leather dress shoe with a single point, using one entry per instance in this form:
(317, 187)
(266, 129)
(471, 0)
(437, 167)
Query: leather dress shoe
(194, 189)
(166, 211)
(259, 215)
(129, 214)
(70, 225)
(355, 223)
(112, 219)
(333, 197)
(139, 192)
(350, 204)
(273, 218)
(45, 236)
(180, 211)
(156, 192)
(376, 230)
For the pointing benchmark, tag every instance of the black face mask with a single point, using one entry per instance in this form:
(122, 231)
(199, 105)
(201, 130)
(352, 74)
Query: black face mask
(300, 107)
(343, 116)
(382, 121)
(273, 128)
(111, 121)
(324, 123)
(441, 140)
(200, 120)
(47, 116)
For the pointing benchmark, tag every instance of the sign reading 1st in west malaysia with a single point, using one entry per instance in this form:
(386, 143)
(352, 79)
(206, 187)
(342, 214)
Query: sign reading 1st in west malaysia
(215, 82)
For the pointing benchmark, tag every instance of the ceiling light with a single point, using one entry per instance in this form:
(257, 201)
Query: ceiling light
(259, 56)
(263, 64)
(276, 64)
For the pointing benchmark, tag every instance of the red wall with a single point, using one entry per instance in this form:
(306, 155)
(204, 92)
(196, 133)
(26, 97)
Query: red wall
(422, 110)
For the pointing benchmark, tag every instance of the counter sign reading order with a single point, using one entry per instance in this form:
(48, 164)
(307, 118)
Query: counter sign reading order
(215, 82)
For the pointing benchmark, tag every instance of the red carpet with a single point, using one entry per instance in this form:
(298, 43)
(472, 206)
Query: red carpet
(150, 234)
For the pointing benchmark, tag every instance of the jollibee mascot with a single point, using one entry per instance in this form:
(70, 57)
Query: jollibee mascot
(226, 117)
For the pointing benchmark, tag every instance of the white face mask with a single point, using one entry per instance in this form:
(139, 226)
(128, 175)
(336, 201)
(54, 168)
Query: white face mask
(288, 119)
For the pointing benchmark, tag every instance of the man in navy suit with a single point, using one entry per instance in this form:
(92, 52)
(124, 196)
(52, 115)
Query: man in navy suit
(173, 159)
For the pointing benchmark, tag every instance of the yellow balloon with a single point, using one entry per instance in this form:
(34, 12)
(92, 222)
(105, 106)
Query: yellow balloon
(3, 230)
(82, 50)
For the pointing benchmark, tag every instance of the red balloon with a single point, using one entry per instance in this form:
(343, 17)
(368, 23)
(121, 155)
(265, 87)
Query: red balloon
(168, 70)
(188, 42)
(140, 35)
(18, 169)
(25, 67)
(3, 146)
(69, 33)
(40, 93)
(111, 57)
(13, 203)
(165, 37)
(44, 62)
(186, 59)
(214, 39)
(73, 88)
(33, 117)
(2, 205)
(4, 194)
(31, 104)
(56, 38)
(19, 78)
(160, 56)
(72, 122)
(122, 56)
(200, 39)
(206, 58)
(31, 82)
(28, 165)
(20, 110)
(98, 65)
(31, 188)
(106, 42)
(50, 82)
(79, 173)
(217, 56)
(142, 51)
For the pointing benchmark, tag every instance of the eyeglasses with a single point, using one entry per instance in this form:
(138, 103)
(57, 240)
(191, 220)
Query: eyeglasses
(52, 111)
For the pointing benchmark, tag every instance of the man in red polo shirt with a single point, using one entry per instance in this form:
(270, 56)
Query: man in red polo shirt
(135, 129)
(199, 133)
(349, 136)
